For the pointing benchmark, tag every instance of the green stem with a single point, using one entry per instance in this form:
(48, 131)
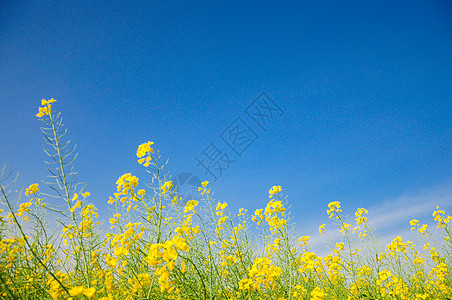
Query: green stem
(28, 244)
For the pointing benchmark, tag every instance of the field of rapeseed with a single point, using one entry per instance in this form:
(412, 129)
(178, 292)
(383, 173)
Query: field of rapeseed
(158, 248)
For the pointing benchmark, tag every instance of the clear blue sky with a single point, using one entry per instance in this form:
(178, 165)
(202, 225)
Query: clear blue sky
(365, 90)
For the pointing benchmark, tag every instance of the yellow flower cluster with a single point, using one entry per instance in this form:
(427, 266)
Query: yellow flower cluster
(334, 207)
(203, 189)
(12, 248)
(360, 221)
(47, 107)
(125, 187)
(32, 189)
(439, 216)
(345, 227)
(415, 225)
(80, 290)
(190, 206)
(122, 243)
(359, 216)
(334, 264)
(271, 215)
(166, 254)
(126, 183)
(24, 208)
(274, 190)
(318, 294)
(167, 186)
(263, 274)
(258, 217)
(309, 261)
(383, 276)
(397, 246)
(55, 288)
(145, 150)
(220, 207)
(78, 204)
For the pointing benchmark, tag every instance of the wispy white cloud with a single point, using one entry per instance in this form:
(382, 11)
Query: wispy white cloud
(407, 207)
(391, 217)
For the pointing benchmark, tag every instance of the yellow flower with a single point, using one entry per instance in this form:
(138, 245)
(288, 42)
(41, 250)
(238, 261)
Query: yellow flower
(318, 294)
(414, 223)
(274, 190)
(45, 102)
(322, 228)
(46, 110)
(180, 243)
(183, 267)
(167, 186)
(77, 205)
(111, 261)
(86, 194)
(75, 197)
(221, 205)
(143, 149)
(32, 189)
(203, 188)
(345, 227)
(359, 216)
(24, 207)
(383, 275)
(89, 292)
(126, 183)
(304, 240)
(76, 291)
(440, 217)
(340, 246)
(258, 217)
(334, 207)
(190, 205)
(422, 229)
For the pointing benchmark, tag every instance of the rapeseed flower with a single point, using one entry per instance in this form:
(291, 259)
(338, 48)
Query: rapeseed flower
(203, 189)
(145, 150)
(274, 190)
(167, 186)
(334, 207)
(46, 109)
(32, 189)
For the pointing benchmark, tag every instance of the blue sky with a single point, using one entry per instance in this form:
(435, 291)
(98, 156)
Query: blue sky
(364, 90)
